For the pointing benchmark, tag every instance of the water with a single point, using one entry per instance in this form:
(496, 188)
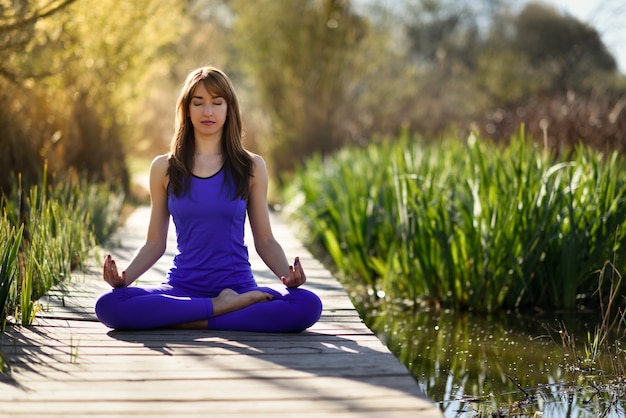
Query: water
(512, 364)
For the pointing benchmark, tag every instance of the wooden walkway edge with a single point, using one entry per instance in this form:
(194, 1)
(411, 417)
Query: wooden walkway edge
(70, 365)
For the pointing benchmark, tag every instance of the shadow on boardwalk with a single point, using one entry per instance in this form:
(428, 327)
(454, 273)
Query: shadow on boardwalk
(69, 364)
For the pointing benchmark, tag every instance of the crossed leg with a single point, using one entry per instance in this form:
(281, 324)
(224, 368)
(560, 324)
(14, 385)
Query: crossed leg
(255, 309)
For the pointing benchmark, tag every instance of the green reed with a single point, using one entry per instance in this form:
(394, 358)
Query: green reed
(10, 240)
(62, 221)
(466, 224)
(602, 354)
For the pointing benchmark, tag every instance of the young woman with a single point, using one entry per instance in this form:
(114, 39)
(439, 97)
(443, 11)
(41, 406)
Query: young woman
(208, 183)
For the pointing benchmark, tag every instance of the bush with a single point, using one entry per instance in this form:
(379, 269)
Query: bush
(467, 226)
(55, 226)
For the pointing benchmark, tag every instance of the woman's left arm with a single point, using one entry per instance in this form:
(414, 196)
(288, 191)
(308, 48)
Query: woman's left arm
(266, 245)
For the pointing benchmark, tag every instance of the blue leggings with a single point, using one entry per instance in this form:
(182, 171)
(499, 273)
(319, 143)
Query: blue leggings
(291, 310)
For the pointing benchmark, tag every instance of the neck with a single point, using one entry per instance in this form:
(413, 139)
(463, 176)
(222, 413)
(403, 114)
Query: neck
(208, 154)
(208, 147)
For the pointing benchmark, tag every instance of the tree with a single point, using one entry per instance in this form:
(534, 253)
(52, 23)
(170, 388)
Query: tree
(554, 74)
(301, 56)
(72, 77)
(19, 35)
(561, 46)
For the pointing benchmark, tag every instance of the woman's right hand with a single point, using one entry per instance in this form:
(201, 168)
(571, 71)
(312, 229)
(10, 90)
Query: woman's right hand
(111, 275)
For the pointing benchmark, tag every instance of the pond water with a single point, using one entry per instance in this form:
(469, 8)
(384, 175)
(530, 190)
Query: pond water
(506, 365)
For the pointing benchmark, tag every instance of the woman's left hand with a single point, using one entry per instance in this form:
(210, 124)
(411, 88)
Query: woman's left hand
(296, 275)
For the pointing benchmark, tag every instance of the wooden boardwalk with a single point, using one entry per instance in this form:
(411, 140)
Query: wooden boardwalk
(70, 365)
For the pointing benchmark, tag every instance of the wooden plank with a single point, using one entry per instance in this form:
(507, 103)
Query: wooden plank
(376, 407)
(217, 368)
(68, 364)
(80, 351)
(251, 387)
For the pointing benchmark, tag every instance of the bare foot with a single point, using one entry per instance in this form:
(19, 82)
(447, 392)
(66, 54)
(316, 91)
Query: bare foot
(228, 300)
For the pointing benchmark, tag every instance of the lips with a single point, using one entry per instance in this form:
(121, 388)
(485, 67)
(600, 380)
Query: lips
(208, 122)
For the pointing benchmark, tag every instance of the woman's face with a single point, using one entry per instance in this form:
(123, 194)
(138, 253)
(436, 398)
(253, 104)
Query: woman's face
(207, 112)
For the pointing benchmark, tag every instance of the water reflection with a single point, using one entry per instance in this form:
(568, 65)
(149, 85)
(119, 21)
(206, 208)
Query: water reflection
(514, 364)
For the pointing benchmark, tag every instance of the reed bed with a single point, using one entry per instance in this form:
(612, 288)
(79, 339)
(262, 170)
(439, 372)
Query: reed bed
(48, 231)
(466, 224)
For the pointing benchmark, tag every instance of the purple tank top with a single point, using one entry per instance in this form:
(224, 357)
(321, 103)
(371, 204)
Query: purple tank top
(211, 254)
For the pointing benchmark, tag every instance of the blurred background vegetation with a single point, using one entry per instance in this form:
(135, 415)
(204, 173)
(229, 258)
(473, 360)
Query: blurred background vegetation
(92, 89)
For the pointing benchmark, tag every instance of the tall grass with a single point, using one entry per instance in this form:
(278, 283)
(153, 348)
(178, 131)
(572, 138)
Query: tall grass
(10, 240)
(467, 225)
(602, 353)
(55, 225)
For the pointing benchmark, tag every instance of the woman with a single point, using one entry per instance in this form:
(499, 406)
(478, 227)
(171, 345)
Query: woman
(208, 183)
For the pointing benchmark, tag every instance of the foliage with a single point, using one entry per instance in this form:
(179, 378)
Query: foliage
(20, 31)
(77, 83)
(553, 51)
(602, 352)
(467, 226)
(560, 46)
(71, 80)
(334, 73)
(10, 240)
(60, 222)
(596, 118)
(297, 51)
(324, 74)
(444, 31)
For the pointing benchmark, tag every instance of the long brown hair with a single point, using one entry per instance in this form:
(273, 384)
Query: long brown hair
(237, 161)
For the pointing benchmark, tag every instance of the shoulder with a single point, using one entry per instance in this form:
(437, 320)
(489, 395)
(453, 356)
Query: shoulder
(158, 169)
(160, 162)
(259, 177)
(258, 164)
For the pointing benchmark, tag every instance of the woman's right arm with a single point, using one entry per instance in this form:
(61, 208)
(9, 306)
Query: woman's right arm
(156, 238)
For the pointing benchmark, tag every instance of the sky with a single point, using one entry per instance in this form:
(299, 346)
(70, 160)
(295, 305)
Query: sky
(608, 17)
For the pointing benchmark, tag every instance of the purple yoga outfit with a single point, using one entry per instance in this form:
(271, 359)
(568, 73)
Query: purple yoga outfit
(211, 256)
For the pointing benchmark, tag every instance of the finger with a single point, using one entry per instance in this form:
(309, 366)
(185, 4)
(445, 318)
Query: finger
(298, 266)
(105, 263)
(108, 263)
(106, 272)
(295, 270)
(115, 276)
(300, 271)
(110, 276)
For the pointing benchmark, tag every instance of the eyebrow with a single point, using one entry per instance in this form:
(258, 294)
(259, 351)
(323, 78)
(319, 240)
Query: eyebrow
(202, 98)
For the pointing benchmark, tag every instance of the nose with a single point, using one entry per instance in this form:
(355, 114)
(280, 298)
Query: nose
(208, 109)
